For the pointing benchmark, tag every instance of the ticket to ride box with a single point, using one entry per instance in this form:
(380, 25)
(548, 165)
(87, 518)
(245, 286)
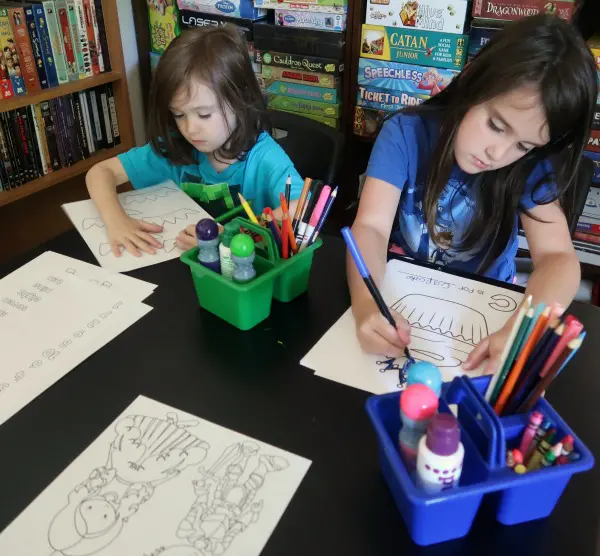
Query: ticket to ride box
(427, 48)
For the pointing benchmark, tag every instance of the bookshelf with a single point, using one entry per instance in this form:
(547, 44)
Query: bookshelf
(117, 76)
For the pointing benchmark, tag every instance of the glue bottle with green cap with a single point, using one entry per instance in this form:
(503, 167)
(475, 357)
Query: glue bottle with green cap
(225, 249)
(242, 254)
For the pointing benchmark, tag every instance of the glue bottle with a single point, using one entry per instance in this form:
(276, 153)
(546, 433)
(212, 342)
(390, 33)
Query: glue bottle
(440, 456)
(423, 372)
(207, 236)
(225, 249)
(418, 404)
(242, 254)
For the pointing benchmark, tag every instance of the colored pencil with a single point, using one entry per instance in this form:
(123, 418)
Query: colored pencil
(288, 189)
(572, 330)
(513, 377)
(301, 204)
(511, 348)
(248, 210)
(288, 225)
(273, 227)
(324, 215)
(559, 363)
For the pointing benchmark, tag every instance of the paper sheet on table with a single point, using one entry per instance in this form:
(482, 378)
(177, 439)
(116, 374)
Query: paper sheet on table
(164, 204)
(49, 323)
(125, 286)
(449, 316)
(161, 482)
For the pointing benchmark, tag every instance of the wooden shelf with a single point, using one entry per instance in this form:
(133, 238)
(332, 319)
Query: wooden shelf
(58, 176)
(61, 90)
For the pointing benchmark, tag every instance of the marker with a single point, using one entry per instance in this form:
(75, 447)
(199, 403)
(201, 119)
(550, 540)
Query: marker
(251, 215)
(370, 283)
(302, 233)
(324, 215)
(316, 214)
(535, 420)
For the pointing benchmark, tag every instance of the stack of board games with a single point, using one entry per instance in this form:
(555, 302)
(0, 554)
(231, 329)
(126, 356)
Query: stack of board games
(593, 147)
(245, 25)
(50, 43)
(410, 50)
(39, 139)
(302, 62)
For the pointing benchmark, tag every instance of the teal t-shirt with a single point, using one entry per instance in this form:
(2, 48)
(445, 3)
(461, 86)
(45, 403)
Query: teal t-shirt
(259, 177)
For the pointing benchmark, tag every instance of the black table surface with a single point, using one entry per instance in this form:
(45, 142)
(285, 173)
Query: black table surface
(252, 382)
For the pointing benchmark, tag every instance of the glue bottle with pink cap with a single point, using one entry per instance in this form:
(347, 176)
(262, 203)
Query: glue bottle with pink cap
(418, 404)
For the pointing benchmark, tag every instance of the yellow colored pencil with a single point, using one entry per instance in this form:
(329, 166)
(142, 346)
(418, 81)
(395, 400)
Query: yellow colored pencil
(248, 210)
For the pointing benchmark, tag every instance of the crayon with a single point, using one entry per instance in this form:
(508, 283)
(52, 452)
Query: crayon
(535, 420)
(370, 283)
(251, 215)
(536, 458)
(517, 456)
(540, 433)
(566, 451)
(550, 456)
(507, 347)
(510, 460)
(520, 469)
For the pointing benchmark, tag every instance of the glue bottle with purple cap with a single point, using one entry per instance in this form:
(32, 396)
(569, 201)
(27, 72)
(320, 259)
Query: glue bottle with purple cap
(207, 236)
(440, 456)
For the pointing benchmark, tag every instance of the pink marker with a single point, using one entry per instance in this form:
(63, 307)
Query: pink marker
(316, 214)
(535, 420)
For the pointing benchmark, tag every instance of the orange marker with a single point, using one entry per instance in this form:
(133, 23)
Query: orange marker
(515, 372)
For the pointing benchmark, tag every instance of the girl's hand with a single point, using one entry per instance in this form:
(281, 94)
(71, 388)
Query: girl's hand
(375, 334)
(186, 239)
(489, 349)
(134, 235)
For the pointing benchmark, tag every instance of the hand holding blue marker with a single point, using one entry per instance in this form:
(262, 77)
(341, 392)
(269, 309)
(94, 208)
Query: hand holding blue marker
(370, 283)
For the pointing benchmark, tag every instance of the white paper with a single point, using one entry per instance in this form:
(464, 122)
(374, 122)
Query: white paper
(122, 285)
(164, 204)
(50, 321)
(161, 482)
(449, 316)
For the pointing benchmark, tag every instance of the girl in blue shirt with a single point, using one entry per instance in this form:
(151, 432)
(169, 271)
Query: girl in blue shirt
(503, 141)
(207, 124)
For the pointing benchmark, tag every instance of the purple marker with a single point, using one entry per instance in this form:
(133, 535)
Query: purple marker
(207, 236)
(440, 455)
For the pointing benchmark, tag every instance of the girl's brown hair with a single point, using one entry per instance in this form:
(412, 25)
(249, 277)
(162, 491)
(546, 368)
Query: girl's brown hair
(543, 51)
(217, 57)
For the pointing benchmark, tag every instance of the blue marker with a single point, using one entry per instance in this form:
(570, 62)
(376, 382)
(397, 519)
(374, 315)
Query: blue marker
(423, 372)
(368, 279)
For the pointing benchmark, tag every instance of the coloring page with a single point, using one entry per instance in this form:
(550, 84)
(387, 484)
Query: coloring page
(164, 204)
(161, 482)
(448, 315)
(49, 323)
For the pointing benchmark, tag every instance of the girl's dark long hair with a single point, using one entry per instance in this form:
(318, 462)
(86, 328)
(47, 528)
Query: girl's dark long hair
(543, 51)
(217, 57)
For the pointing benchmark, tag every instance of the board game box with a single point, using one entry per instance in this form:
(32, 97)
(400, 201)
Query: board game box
(594, 142)
(297, 62)
(305, 77)
(229, 8)
(163, 21)
(445, 16)
(511, 10)
(306, 92)
(322, 6)
(413, 46)
(311, 20)
(292, 104)
(331, 122)
(367, 121)
(190, 19)
(395, 76)
(595, 158)
(482, 30)
(383, 99)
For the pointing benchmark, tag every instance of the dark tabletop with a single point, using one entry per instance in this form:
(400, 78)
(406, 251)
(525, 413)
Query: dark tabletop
(252, 382)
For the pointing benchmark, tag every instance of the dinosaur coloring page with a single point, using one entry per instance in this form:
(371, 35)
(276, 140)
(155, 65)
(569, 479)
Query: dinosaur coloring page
(164, 205)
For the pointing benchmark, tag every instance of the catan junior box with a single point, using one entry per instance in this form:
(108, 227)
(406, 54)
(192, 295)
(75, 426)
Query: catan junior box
(413, 46)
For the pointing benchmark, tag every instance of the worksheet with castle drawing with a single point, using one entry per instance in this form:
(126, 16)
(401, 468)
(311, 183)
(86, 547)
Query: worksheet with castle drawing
(160, 482)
